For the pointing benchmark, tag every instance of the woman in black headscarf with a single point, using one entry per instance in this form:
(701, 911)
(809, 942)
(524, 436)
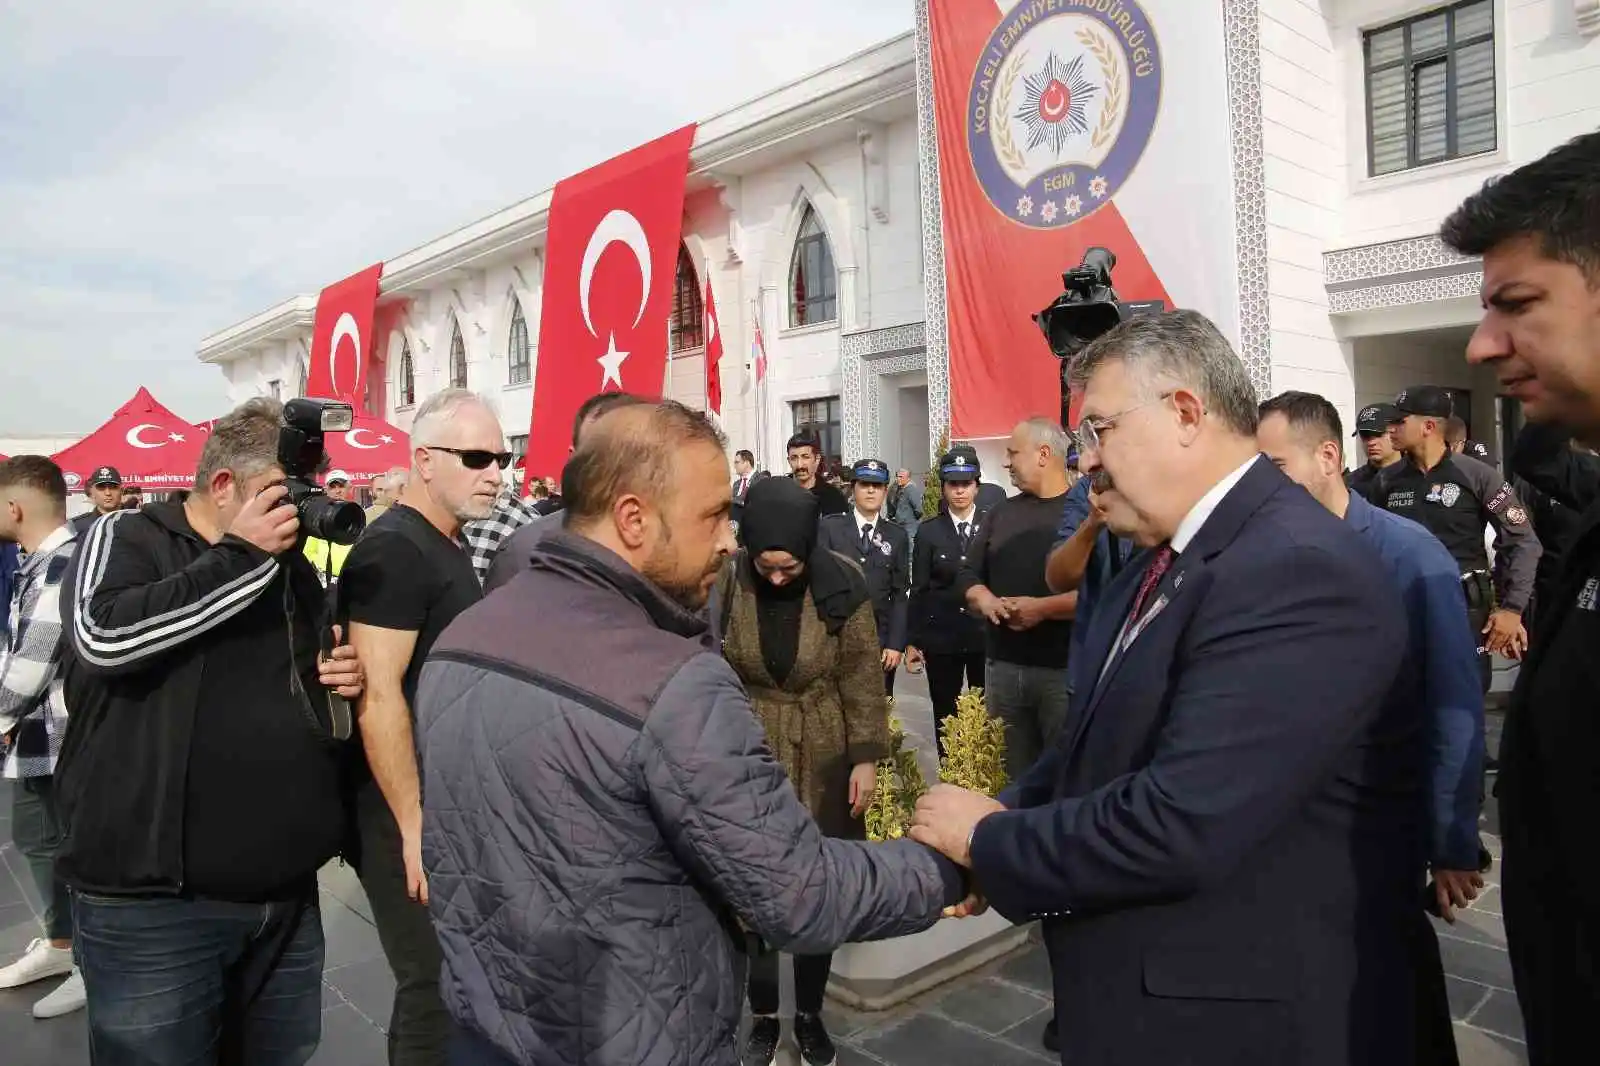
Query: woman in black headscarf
(800, 633)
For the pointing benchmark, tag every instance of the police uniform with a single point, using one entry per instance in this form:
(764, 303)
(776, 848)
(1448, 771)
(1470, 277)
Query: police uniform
(105, 475)
(883, 550)
(1372, 420)
(1454, 501)
(950, 638)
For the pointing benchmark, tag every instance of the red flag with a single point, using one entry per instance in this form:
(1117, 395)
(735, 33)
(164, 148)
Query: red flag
(713, 354)
(342, 338)
(611, 259)
(1009, 89)
(758, 350)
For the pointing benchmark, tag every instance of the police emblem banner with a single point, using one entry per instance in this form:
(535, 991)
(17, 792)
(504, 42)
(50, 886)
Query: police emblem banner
(1062, 125)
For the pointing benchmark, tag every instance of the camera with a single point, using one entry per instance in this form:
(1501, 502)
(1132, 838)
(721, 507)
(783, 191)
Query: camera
(1087, 308)
(306, 423)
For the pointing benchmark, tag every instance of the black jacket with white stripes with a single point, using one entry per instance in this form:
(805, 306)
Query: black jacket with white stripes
(148, 598)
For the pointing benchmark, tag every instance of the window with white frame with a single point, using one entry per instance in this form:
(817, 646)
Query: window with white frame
(519, 353)
(1430, 83)
(819, 418)
(813, 281)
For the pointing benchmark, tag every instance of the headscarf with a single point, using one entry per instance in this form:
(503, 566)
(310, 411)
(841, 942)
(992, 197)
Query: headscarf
(779, 515)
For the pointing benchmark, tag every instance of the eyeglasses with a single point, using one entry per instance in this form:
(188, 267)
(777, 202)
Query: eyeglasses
(1091, 430)
(474, 458)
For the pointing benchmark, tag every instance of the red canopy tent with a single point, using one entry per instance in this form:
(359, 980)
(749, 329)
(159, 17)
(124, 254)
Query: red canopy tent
(151, 447)
(371, 447)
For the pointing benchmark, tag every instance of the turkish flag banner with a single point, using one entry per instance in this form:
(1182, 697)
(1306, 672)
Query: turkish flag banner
(611, 256)
(1042, 112)
(151, 448)
(342, 338)
(713, 354)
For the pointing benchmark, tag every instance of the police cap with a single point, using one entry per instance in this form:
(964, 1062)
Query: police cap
(870, 471)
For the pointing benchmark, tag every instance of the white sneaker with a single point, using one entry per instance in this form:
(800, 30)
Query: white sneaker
(68, 997)
(37, 963)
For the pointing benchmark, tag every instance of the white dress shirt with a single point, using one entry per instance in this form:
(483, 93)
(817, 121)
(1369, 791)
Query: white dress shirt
(1206, 504)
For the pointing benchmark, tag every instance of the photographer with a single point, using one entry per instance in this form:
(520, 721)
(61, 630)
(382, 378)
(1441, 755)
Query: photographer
(200, 782)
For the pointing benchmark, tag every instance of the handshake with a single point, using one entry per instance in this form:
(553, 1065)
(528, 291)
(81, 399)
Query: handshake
(945, 820)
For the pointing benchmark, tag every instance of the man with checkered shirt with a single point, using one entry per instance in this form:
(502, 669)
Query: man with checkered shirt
(33, 711)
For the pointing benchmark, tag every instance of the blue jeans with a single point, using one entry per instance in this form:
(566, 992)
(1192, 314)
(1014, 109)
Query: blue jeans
(176, 982)
(1032, 701)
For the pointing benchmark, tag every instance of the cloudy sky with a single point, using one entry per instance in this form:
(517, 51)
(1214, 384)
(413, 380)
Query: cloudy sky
(170, 167)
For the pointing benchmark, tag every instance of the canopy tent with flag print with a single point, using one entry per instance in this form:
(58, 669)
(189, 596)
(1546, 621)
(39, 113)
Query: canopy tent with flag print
(151, 448)
(371, 448)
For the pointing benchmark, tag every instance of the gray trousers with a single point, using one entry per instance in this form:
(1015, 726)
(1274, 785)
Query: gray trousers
(37, 832)
(1032, 701)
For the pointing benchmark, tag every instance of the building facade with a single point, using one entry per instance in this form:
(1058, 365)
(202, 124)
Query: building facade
(1356, 126)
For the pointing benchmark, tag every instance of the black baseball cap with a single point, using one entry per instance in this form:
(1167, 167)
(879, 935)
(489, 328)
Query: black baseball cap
(1429, 401)
(1477, 449)
(105, 475)
(1377, 418)
(870, 471)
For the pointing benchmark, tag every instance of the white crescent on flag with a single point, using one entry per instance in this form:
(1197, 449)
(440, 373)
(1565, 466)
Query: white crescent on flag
(617, 227)
(350, 439)
(345, 327)
(134, 439)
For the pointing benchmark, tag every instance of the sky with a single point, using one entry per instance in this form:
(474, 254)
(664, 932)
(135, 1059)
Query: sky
(171, 167)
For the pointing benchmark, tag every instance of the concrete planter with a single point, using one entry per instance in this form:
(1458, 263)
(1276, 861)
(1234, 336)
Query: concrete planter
(885, 973)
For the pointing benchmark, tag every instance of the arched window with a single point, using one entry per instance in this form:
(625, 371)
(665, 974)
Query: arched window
(408, 379)
(813, 283)
(518, 354)
(458, 358)
(688, 309)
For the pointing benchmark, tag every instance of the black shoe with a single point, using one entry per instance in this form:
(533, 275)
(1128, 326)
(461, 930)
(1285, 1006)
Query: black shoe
(761, 1046)
(1485, 860)
(816, 1049)
(1050, 1038)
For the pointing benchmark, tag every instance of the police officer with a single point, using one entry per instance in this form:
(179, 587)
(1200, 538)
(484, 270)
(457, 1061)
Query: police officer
(1372, 426)
(1453, 496)
(105, 493)
(941, 632)
(883, 549)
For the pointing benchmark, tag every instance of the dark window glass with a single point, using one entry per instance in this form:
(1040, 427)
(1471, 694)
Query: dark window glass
(820, 419)
(813, 282)
(688, 328)
(1431, 88)
(518, 353)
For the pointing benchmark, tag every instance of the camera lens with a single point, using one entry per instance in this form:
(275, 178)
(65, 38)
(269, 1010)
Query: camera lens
(335, 521)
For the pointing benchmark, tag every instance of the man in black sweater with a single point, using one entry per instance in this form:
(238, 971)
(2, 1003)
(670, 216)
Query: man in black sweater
(1003, 579)
(201, 781)
(805, 466)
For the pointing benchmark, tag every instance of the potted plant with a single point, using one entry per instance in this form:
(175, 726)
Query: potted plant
(881, 974)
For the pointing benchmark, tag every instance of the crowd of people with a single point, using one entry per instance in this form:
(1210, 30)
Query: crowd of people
(599, 755)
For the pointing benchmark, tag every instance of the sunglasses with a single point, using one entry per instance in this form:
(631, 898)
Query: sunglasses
(474, 458)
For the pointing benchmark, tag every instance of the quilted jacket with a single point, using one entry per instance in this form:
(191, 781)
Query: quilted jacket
(602, 820)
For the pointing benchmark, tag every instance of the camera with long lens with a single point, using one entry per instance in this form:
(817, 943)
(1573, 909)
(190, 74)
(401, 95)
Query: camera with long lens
(306, 423)
(1087, 309)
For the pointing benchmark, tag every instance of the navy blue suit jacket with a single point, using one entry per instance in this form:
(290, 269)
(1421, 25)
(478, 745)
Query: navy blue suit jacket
(1227, 849)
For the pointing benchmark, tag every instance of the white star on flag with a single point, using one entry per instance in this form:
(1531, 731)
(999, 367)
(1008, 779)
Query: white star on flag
(386, 439)
(178, 437)
(611, 362)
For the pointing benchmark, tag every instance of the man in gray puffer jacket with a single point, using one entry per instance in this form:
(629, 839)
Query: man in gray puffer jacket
(602, 819)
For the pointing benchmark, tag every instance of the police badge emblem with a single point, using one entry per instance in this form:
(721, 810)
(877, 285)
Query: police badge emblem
(1063, 102)
(1449, 494)
(1516, 516)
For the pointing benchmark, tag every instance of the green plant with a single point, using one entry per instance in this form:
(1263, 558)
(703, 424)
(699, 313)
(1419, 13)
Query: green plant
(898, 786)
(975, 758)
(974, 746)
(932, 487)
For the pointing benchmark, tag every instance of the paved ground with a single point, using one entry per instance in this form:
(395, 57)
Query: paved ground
(993, 1016)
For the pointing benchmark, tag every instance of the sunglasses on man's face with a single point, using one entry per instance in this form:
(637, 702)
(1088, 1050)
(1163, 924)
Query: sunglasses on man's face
(474, 458)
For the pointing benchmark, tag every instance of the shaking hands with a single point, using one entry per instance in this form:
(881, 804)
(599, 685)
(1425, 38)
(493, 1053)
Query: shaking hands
(945, 820)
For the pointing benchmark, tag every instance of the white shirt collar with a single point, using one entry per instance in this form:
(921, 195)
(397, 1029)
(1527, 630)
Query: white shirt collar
(967, 518)
(1201, 511)
(863, 520)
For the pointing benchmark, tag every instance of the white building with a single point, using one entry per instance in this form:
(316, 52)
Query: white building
(1356, 126)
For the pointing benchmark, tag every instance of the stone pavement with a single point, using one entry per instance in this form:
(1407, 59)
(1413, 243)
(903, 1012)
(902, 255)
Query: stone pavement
(993, 1016)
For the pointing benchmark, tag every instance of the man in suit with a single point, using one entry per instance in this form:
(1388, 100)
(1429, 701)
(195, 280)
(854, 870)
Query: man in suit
(745, 475)
(1224, 847)
(883, 551)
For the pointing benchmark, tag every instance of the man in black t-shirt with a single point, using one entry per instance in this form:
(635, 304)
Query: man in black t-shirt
(1003, 579)
(404, 582)
(805, 466)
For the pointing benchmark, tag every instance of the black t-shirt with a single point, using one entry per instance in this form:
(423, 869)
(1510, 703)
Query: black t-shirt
(405, 574)
(1009, 559)
(262, 807)
(829, 499)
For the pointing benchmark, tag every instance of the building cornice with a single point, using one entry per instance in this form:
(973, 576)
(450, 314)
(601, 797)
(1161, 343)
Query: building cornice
(725, 144)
